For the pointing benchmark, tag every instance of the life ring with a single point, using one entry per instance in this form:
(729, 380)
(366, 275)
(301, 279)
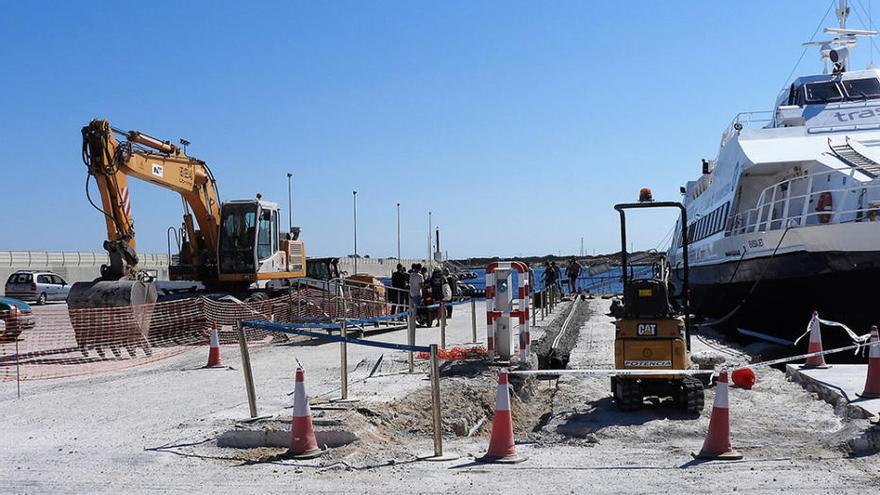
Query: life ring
(825, 203)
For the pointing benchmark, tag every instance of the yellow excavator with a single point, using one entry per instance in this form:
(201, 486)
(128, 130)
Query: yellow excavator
(235, 247)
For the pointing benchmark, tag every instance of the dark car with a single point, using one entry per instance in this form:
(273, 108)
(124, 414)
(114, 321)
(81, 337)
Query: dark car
(17, 317)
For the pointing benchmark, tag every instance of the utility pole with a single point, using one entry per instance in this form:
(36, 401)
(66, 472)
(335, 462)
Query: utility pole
(582, 247)
(289, 203)
(354, 196)
(398, 232)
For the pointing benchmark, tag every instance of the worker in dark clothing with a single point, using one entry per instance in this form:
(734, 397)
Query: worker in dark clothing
(549, 276)
(557, 275)
(399, 283)
(450, 291)
(573, 270)
(437, 282)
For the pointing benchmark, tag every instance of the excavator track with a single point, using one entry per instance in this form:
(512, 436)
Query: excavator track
(691, 395)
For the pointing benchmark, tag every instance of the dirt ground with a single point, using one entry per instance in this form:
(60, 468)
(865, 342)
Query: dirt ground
(155, 428)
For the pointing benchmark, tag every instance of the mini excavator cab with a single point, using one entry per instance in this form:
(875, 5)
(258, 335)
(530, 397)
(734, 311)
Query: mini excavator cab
(649, 335)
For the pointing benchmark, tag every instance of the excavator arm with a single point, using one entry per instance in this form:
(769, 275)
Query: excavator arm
(111, 162)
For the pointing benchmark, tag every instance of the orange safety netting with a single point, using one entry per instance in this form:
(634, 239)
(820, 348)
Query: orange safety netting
(457, 353)
(54, 341)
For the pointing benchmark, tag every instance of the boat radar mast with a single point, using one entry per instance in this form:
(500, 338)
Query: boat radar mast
(837, 50)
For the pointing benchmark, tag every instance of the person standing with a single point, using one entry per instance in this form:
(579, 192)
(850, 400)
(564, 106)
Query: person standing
(415, 285)
(450, 290)
(573, 270)
(399, 282)
(437, 283)
(557, 277)
(549, 276)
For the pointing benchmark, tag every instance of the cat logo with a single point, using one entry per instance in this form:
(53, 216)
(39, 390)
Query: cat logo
(158, 170)
(646, 329)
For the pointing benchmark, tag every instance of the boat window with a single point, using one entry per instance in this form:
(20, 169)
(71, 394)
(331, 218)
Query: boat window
(823, 92)
(858, 89)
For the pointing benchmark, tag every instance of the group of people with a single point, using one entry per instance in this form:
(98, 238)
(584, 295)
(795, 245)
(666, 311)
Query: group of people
(553, 275)
(418, 288)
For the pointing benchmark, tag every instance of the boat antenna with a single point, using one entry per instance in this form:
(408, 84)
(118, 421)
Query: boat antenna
(842, 13)
(838, 49)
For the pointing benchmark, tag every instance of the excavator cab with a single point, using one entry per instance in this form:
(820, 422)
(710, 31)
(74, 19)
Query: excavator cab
(649, 335)
(252, 248)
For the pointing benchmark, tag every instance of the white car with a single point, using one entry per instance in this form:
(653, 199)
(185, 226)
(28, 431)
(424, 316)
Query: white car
(37, 286)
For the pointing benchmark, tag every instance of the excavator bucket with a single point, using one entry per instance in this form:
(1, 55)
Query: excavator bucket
(112, 315)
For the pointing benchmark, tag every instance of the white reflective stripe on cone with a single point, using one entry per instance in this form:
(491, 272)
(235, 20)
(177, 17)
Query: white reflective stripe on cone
(300, 401)
(875, 349)
(215, 338)
(721, 399)
(502, 395)
(815, 329)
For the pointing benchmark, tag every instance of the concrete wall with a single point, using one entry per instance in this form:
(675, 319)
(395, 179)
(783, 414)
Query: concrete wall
(71, 265)
(82, 266)
(376, 267)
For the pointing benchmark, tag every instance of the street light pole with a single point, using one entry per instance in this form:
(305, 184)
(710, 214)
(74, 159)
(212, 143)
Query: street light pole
(430, 225)
(354, 196)
(398, 232)
(289, 203)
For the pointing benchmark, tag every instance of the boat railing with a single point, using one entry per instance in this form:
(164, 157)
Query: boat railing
(778, 207)
(745, 120)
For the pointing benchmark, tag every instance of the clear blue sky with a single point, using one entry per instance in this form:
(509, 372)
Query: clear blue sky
(519, 124)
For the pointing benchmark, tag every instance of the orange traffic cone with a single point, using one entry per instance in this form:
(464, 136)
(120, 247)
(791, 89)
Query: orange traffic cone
(214, 360)
(815, 345)
(501, 446)
(303, 444)
(872, 381)
(717, 443)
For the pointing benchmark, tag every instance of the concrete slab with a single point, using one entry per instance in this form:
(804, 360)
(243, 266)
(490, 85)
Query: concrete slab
(839, 381)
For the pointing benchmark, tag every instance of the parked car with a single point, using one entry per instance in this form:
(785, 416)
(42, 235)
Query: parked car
(16, 316)
(37, 286)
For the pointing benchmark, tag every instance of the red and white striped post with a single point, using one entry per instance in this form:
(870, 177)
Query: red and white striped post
(490, 313)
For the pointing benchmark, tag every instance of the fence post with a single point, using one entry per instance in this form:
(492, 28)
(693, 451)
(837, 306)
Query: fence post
(343, 357)
(543, 303)
(411, 333)
(442, 309)
(246, 368)
(17, 369)
(473, 320)
(435, 410)
(534, 313)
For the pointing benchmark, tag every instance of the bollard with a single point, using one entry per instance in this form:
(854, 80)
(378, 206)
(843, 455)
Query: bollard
(473, 320)
(411, 334)
(246, 368)
(442, 309)
(435, 410)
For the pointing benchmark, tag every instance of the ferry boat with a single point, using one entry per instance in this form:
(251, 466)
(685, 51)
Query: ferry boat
(784, 220)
